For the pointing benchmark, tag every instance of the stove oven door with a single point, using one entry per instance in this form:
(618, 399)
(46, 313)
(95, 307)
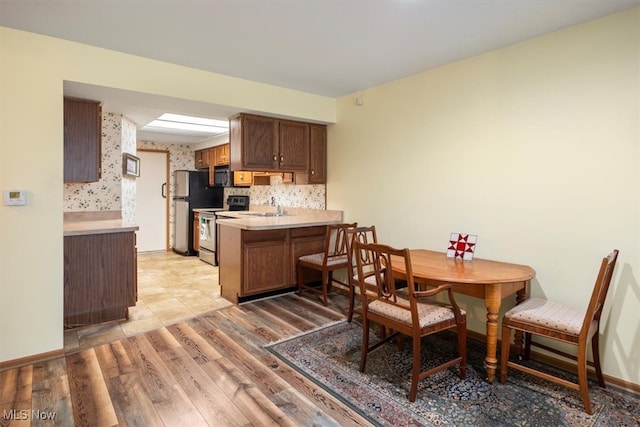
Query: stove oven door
(207, 251)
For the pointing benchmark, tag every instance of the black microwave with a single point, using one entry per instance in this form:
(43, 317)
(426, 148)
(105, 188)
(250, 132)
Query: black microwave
(222, 176)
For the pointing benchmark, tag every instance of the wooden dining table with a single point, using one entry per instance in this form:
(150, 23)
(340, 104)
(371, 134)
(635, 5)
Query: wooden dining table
(481, 278)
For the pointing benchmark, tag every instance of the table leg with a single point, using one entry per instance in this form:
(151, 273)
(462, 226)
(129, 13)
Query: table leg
(492, 302)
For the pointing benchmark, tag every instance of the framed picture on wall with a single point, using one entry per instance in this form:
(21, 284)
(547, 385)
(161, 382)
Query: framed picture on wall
(130, 165)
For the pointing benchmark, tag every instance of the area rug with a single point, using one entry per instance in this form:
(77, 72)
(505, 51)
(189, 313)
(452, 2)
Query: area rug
(330, 357)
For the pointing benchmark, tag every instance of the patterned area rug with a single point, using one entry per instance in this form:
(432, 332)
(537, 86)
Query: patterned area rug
(330, 356)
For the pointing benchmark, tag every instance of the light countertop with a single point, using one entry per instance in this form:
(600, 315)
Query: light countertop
(293, 218)
(78, 228)
(207, 209)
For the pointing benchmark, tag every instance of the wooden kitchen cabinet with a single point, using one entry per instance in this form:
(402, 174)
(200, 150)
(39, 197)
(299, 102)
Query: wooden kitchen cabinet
(202, 158)
(221, 155)
(317, 172)
(253, 142)
(242, 178)
(317, 154)
(100, 277)
(266, 144)
(305, 241)
(82, 140)
(293, 146)
(264, 261)
(254, 262)
(196, 231)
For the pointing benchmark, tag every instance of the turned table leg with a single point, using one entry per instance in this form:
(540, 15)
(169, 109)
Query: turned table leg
(492, 302)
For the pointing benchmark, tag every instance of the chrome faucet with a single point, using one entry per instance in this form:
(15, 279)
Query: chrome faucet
(277, 205)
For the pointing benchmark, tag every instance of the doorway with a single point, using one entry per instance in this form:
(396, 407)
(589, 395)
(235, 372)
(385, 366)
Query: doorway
(152, 201)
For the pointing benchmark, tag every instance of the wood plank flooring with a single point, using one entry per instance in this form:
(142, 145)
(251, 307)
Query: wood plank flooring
(210, 370)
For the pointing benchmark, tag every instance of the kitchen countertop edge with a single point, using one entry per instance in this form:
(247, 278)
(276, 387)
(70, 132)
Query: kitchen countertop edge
(240, 220)
(80, 228)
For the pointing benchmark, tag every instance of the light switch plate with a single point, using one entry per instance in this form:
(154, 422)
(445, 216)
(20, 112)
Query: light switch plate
(15, 197)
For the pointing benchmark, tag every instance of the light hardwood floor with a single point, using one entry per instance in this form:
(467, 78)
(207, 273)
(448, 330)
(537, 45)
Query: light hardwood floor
(208, 369)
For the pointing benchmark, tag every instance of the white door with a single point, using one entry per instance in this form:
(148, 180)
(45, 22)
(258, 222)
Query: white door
(151, 201)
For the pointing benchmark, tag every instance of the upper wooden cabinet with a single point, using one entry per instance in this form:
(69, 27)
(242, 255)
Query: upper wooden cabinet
(82, 140)
(267, 144)
(221, 155)
(253, 142)
(242, 178)
(203, 158)
(293, 138)
(317, 154)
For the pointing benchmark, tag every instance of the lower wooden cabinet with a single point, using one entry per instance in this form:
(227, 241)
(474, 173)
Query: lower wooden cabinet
(254, 262)
(196, 231)
(264, 261)
(100, 277)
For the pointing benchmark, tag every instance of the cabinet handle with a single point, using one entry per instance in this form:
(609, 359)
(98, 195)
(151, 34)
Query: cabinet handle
(281, 159)
(162, 190)
(313, 172)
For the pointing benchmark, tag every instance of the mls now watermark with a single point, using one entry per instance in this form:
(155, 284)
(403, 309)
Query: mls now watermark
(24, 414)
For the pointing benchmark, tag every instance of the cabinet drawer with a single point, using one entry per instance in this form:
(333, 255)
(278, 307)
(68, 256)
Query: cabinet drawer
(320, 230)
(249, 236)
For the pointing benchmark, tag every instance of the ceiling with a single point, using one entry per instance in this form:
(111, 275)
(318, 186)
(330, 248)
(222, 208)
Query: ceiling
(326, 47)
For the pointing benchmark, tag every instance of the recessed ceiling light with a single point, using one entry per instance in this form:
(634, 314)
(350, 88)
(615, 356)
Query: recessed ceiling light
(190, 123)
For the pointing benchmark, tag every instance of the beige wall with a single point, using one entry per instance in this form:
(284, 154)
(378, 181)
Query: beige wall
(32, 71)
(533, 147)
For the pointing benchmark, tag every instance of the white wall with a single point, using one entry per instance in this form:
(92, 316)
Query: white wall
(533, 147)
(32, 71)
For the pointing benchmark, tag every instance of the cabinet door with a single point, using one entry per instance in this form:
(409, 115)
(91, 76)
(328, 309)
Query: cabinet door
(221, 155)
(259, 143)
(100, 277)
(306, 241)
(317, 154)
(265, 266)
(82, 140)
(293, 146)
(202, 158)
(242, 178)
(196, 231)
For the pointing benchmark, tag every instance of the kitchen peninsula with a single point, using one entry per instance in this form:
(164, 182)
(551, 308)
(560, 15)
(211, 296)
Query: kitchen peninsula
(259, 249)
(100, 268)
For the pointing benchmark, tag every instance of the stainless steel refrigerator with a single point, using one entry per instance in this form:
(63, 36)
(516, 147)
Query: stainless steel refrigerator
(191, 191)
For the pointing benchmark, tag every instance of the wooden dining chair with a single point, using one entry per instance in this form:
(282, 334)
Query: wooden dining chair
(417, 316)
(538, 316)
(333, 258)
(362, 235)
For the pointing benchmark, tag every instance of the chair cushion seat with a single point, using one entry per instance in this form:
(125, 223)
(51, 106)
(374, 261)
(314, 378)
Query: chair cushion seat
(428, 313)
(318, 259)
(369, 280)
(548, 314)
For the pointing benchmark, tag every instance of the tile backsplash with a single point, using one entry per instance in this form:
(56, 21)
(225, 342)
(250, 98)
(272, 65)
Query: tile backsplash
(287, 195)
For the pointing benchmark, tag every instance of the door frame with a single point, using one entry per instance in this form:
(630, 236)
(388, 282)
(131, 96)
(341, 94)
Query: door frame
(168, 191)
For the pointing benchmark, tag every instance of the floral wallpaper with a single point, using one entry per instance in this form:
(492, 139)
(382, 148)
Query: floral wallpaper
(128, 133)
(118, 136)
